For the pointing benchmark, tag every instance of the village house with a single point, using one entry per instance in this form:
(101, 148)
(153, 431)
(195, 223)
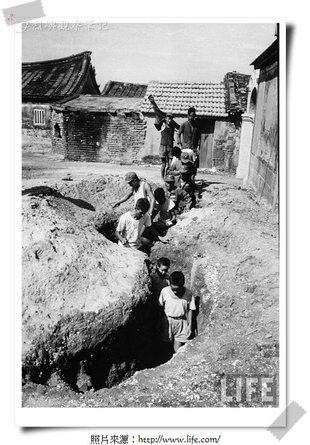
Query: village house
(49, 81)
(218, 106)
(100, 129)
(106, 128)
(118, 126)
(259, 152)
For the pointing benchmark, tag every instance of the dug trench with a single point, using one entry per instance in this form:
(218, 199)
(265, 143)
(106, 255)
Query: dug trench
(88, 313)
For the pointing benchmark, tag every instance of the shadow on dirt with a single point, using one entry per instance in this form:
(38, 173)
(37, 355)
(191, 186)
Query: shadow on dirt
(42, 191)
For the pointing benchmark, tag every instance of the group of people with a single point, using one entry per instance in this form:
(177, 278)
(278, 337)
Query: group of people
(188, 138)
(139, 228)
(155, 212)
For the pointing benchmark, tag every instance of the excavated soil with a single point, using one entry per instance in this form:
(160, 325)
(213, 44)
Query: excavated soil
(88, 312)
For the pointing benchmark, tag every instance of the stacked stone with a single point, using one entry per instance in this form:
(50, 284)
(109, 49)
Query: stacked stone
(236, 92)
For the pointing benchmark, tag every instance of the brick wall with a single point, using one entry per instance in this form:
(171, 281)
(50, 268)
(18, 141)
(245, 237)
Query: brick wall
(99, 137)
(59, 132)
(127, 138)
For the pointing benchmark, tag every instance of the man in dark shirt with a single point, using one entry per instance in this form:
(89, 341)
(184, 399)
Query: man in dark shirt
(177, 165)
(189, 133)
(181, 199)
(186, 182)
(167, 135)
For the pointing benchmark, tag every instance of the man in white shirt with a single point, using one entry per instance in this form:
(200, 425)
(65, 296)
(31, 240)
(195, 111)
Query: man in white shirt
(178, 305)
(132, 224)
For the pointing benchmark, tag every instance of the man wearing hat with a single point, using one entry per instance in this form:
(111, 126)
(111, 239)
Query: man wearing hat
(140, 188)
(167, 135)
(180, 197)
(185, 181)
(184, 160)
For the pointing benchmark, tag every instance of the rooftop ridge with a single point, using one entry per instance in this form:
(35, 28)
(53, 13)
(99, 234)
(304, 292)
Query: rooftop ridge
(57, 61)
(185, 81)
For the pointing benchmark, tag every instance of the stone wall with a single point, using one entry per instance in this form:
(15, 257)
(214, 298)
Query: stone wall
(263, 170)
(226, 143)
(99, 137)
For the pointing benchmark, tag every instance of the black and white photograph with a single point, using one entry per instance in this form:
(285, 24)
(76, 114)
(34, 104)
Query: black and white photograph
(154, 222)
(150, 215)
(150, 222)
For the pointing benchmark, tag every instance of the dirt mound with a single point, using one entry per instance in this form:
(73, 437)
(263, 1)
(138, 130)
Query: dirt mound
(80, 290)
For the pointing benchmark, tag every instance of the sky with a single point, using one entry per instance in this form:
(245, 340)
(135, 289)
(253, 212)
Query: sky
(141, 52)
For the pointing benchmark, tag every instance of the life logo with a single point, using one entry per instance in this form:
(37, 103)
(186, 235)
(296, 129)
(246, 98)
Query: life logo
(259, 390)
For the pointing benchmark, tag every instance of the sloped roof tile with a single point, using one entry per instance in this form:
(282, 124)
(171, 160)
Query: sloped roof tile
(58, 79)
(124, 89)
(176, 97)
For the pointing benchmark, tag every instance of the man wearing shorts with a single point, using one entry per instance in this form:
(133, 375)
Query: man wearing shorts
(178, 305)
(167, 135)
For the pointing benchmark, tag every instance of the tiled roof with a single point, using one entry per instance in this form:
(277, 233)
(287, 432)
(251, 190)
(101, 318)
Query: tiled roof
(57, 79)
(176, 97)
(236, 92)
(93, 103)
(124, 89)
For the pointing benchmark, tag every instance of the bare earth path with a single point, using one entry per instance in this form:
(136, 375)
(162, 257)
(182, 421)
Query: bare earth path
(50, 168)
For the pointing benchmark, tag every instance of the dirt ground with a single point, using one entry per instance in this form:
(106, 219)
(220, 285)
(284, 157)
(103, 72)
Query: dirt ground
(228, 249)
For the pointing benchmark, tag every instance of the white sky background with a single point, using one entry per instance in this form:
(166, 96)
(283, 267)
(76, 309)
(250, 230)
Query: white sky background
(140, 52)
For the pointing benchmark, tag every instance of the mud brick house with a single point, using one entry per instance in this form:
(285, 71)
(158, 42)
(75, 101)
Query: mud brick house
(109, 128)
(262, 170)
(49, 81)
(100, 129)
(218, 106)
(118, 126)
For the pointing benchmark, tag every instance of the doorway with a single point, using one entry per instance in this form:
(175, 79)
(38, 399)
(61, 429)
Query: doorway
(206, 158)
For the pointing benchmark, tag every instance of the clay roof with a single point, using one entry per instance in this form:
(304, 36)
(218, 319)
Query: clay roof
(57, 79)
(95, 104)
(176, 97)
(268, 56)
(209, 98)
(124, 89)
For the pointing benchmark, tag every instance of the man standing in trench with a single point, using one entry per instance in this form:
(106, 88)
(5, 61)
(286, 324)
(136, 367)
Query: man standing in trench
(167, 135)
